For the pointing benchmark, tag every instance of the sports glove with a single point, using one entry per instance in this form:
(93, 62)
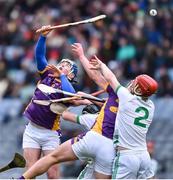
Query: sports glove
(91, 109)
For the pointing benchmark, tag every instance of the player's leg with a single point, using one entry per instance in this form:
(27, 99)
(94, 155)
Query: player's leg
(98, 148)
(98, 175)
(146, 170)
(62, 153)
(49, 143)
(104, 158)
(87, 172)
(126, 165)
(31, 156)
(54, 171)
(31, 147)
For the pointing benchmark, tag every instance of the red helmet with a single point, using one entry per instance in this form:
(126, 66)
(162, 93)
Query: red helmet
(147, 85)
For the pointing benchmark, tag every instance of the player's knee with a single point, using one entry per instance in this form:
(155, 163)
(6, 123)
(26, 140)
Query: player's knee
(52, 173)
(55, 157)
(29, 164)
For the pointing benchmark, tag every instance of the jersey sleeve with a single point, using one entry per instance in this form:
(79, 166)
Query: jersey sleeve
(66, 85)
(87, 120)
(43, 74)
(40, 52)
(110, 90)
(123, 94)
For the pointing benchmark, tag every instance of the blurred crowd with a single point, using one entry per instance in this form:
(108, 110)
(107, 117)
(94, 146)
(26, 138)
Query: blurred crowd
(129, 40)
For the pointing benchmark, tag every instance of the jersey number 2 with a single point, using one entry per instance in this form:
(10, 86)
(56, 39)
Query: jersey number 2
(144, 117)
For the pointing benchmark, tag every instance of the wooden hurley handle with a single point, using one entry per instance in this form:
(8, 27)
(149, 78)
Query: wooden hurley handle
(90, 20)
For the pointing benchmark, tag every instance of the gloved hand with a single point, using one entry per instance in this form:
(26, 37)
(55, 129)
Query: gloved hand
(91, 109)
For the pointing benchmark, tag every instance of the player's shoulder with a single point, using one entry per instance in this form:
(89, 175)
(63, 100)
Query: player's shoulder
(111, 91)
(150, 102)
(146, 102)
(123, 90)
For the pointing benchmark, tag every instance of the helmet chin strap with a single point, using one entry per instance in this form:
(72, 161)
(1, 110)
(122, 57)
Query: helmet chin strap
(58, 66)
(69, 74)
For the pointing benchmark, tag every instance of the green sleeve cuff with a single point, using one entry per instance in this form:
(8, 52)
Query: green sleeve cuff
(116, 90)
(78, 119)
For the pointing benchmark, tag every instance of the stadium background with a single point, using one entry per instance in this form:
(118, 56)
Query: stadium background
(129, 41)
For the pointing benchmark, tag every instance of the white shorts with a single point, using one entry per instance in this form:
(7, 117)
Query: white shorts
(40, 138)
(129, 164)
(97, 148)
(87, 172)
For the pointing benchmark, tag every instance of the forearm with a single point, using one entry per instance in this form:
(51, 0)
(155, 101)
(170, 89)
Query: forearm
(109, 76)
(69, 116)
(40, 52)
(66, 85)
(85, 63)
(40, 167)
(81, 102)
(100, 104)
(95, 75)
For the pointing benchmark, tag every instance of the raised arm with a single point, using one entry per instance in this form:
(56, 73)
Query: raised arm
(107, 73)
(40, 52)
(40, 49)
(94, 75)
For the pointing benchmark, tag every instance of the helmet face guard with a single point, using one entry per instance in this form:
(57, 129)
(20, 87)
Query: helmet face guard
(136, 89)
(73, 68)
(133, 88)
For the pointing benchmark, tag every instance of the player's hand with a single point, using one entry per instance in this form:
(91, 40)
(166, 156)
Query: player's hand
(96, 63)
(78, 49)
(55, 71)
(79, 102)
(44, 30)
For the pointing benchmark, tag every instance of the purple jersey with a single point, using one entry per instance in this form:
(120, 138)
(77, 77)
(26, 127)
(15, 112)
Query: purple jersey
(42, 115)
(105, 121)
